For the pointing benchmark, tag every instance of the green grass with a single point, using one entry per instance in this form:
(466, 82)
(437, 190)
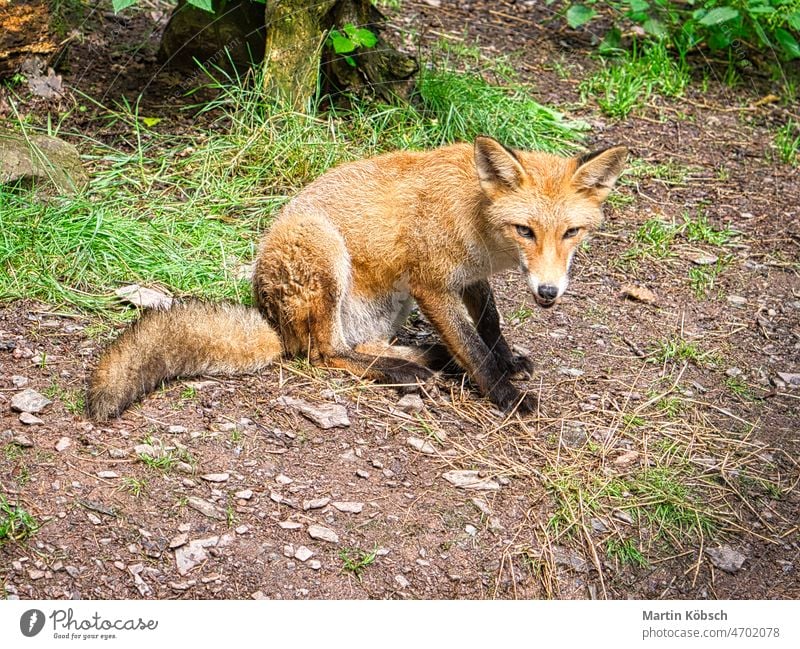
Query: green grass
(703, 279)
(134, 486)
(184, 212)
(355, 561)
(740, 388)
(655, 239)
(15, 523)
(678, 349)
(699, 230)
(627, 84)
(787, 141)
(625, 552)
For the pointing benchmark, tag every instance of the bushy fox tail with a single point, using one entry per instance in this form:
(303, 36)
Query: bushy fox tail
(185, 340)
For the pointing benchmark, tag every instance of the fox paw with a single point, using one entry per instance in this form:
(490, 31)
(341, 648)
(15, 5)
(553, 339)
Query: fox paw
(518, 366)
(511, 400)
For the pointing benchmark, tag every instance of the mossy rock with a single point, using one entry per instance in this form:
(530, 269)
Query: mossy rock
(40, 161)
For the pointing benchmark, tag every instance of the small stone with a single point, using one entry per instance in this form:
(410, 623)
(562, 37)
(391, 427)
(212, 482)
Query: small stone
(627, 458)
(29, 401)
(242, 529)
(598, 525)
(196, 552)
(329, 415)
(623, 516)
(30, 420)
(63, 444)
(564, 557)
(182, 585)
(303, 553)
(733, 371)
(314, 564)
(705, 260)
(402, 581)
(113, 453)
(316, 503)
(145, 449)
(244, 494)
(94, 518)
(362, 474)
(290, 525)
(283, 479)
(349, 456)
(792, 380)
(19, 381)
(322, 534)
(471, 529)
(22, 440)
(470, 480)
(178, 541)
(737, 300)
(639, 293)
(259, 594)
(107, 474)
(411, 404)
(421, 445)
(288, 550)
(177, 430)
(351, 507)
(215, 477)
(144, 297)
(36, 574)
(571, 371)
(726, 558)
(206, 508)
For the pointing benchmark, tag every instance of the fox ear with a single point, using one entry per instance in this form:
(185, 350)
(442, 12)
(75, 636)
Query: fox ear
(598, 171)
(498, 168)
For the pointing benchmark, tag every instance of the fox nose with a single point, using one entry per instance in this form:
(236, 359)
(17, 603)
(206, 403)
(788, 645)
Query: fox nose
(548, 292)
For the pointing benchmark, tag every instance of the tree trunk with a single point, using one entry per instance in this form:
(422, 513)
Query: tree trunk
(296, 52)
(295, 36)
(24, 34)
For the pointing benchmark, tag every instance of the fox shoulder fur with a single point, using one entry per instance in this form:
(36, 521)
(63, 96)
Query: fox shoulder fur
(348, 258)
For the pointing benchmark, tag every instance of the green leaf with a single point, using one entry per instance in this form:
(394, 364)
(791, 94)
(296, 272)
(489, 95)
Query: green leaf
(718, 16)
(360, 36)
(578, 15)
(788, 43)
(612, 42)
(119, 5)
(207, 5)
(655, 27)
(341, 44)
(149, 122)
(638, 6)
(366, 38)
(350, 61)
(793, 20)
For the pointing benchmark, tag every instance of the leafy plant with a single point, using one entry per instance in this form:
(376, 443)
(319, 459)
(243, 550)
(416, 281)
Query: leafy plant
(350, 39)
(15, 523)
(787, 140)
(355, 560)
(771, 25)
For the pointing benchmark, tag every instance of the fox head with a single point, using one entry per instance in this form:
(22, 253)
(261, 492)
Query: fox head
(542, 206)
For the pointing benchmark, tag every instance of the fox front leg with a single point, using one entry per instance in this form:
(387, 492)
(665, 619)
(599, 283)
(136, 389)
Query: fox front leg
(479, 300)
(445, 313)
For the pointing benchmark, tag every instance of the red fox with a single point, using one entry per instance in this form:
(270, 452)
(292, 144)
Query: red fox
(346, 260)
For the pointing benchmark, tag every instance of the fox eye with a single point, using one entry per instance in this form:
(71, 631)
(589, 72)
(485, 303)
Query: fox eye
(571, 233)
(525, 232)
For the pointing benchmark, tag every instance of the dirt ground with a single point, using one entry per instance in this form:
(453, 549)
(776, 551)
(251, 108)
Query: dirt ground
(237, 482)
